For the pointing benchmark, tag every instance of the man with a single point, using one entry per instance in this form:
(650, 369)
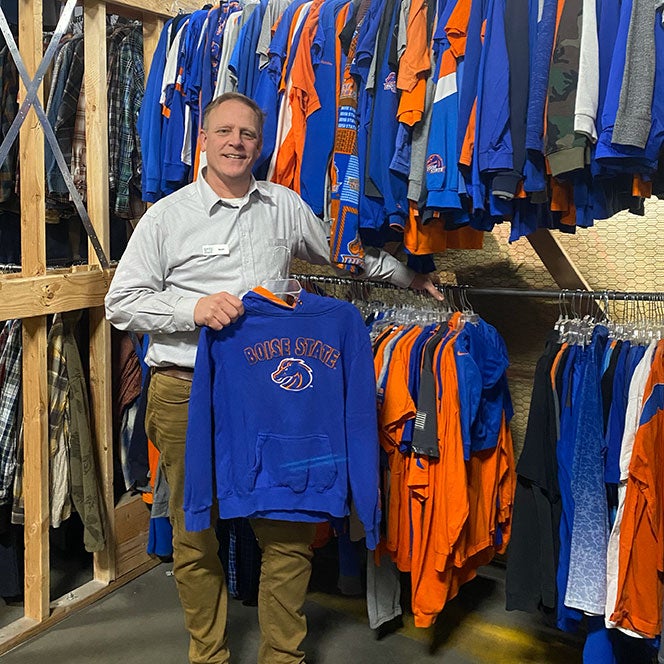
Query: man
(190, 259)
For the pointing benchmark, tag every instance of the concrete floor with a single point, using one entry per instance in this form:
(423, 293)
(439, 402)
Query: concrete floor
(142, 623)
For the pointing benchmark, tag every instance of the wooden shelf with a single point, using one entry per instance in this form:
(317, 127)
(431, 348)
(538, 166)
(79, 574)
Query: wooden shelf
(155, 7)
(54, 292)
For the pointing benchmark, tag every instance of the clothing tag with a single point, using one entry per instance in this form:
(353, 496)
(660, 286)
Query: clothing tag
(216, 250)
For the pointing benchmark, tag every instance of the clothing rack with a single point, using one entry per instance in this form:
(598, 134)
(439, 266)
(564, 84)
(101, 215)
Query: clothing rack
(560, 295)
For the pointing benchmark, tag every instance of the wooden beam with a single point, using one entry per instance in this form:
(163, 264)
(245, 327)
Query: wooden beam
(158, 7)
(152, 27)
(96, 137)
(31, 147)
(35, 468)
(96, 123)
(101, 414)
(557, 260)
(24, 297)
(34, 381)
(134, 14)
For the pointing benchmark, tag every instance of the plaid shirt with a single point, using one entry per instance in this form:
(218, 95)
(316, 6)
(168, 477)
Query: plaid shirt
(10, 392)
(8, 110)
(4, 333)
(123, 113)
(66, 118)
(78, 162)
(113, 92)
(18, 508)
(58, 424)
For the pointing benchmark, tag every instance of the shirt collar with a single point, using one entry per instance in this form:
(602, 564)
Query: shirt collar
(211, 199)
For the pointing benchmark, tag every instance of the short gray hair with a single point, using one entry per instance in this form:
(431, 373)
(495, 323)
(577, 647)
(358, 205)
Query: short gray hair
(235, 96)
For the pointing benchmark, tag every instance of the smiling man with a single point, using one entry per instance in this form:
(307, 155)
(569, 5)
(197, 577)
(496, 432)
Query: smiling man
(190, 259)
(231, 138)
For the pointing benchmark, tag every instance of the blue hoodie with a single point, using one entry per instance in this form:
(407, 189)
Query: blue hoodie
(282, 416)
(484, 398)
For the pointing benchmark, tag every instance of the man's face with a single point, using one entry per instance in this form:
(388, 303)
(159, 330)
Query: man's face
(232, 144)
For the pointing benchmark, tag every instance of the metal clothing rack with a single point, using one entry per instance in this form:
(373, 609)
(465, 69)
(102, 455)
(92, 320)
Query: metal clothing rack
(508, 292)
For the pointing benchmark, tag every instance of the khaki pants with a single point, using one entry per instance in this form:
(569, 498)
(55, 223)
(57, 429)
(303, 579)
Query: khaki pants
(196, 566)
(286, 548)
(285, 573)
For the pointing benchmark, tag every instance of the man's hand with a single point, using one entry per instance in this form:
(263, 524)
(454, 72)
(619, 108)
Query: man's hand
(425, 282)
(218, 310)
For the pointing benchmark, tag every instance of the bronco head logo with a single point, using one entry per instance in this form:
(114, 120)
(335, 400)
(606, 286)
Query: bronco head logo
(355, 247)
(435, 164)
(293, 375)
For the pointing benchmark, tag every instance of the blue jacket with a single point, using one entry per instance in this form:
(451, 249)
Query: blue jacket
(371, 213)
(481, 362)
(282, 416)
(494, 136)
(539, 77)
(442, 173)
(150, 120)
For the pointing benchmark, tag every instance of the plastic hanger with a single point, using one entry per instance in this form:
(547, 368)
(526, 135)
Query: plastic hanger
(469, 315)
(281, 286)
(287, 290)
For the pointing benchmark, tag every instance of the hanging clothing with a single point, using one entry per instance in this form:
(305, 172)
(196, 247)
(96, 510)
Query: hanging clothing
(640, 589)
(11, 455)
(58, 425)
(444, 409)
(83, 470)
(477, 125)
(595, 405)
(531, 564)
(10, 397)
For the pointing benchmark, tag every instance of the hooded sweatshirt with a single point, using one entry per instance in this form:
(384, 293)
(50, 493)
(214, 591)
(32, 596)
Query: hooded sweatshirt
(282, 416)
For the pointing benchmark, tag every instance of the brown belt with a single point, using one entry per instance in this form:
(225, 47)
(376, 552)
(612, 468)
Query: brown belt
(183, 373)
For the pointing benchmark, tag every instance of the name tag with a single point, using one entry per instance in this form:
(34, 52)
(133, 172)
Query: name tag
(216, 250)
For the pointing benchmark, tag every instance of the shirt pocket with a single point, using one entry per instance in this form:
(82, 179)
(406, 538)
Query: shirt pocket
(296, 462)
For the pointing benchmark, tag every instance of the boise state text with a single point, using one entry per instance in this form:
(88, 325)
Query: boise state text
(285, 347)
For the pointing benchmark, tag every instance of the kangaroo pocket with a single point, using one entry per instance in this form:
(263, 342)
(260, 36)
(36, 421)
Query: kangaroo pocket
(297, 462)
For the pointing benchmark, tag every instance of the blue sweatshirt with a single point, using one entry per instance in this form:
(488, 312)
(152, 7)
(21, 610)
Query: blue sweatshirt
(282, 416)
(384, 186)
